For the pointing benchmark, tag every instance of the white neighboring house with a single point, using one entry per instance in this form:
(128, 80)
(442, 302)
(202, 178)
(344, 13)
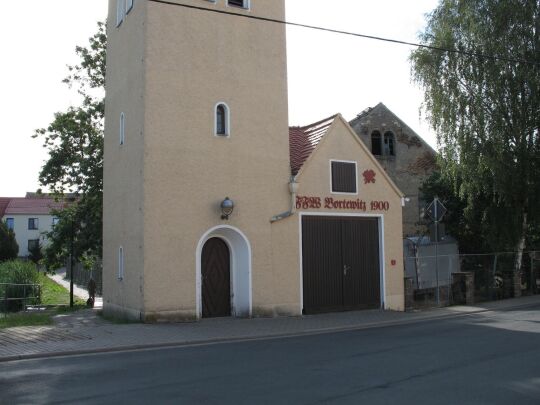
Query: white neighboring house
(30, 218)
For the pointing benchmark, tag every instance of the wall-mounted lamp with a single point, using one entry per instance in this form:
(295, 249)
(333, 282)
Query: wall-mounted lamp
(227, 207)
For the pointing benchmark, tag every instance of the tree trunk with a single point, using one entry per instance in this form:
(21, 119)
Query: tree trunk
(519, 258)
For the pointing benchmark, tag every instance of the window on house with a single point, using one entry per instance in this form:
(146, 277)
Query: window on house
(55, 221)
(10, 223)
(343, 177)
(238, 3)
(33, 244)
(376, 147)
(222, 120)
(389, 144)
(120, 263)
(129, 5)
(120, 11)
(33, 223)
(122, 128)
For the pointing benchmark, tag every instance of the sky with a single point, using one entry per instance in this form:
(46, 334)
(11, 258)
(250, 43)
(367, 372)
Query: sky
(327, 73)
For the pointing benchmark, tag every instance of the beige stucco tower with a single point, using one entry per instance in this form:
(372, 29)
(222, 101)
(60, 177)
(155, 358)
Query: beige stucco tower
(196, 111)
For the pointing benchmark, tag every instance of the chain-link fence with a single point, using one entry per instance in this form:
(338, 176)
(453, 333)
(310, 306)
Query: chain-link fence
(448, 279)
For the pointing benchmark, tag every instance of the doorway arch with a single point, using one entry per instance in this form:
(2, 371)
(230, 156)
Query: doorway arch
(240, 269)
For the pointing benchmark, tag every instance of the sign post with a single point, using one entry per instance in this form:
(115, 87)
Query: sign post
(436, 211)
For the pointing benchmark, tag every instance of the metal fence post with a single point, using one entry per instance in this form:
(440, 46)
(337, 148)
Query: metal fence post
(532, 276)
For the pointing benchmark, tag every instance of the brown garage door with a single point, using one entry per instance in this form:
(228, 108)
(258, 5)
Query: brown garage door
(340, 263)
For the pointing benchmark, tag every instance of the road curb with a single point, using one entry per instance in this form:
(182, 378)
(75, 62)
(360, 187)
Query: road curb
(311, 332)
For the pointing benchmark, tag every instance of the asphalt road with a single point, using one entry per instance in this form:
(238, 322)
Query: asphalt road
(491, 358)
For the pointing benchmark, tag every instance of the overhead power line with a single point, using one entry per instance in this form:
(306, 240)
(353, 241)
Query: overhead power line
(354, 34)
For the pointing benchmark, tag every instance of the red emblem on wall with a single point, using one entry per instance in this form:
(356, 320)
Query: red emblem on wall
(369, 176)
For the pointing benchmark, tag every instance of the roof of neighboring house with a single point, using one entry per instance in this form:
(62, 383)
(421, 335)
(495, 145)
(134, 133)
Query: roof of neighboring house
(304, 140)
(4, 201)
(23, 205)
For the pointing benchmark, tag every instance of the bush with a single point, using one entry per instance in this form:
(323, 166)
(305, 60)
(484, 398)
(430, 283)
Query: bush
(8, 245)
(17, 272)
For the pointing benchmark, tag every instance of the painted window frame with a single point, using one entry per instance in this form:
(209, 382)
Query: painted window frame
(355, 176)
(227, 133)
(120, 12)
(129, 5)
(32, 241)
(10, 223)
(122, 129)
(246, 5)
(121, 263)
(35, 224)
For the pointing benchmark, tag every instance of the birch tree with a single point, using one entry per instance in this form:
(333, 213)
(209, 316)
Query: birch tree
(483, 99)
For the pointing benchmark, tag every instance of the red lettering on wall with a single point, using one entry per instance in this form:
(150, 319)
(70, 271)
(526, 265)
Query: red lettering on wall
(330, 203)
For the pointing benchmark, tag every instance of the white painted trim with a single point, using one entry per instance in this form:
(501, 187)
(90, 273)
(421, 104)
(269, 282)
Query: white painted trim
(120, 263)
(120, 12)
(129, 5)
(122, 129)
(382, 266)
(227, 120)
(382, 262)
(356, 175)
(301, 272)
(217, 232)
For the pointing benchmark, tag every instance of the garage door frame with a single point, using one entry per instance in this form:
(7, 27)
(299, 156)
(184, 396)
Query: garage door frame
(382, 267)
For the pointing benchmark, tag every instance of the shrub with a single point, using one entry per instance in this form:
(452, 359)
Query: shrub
(8, 245)
(17, 272)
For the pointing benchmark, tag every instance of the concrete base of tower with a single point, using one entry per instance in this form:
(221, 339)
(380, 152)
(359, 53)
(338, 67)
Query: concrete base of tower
(172, 316)
(121, 312)
(272, 311)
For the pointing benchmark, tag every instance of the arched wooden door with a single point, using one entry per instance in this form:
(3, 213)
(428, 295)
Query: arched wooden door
(216, 279)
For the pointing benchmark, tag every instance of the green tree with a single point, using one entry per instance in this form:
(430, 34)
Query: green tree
(74, 170)
(486, 111)
(9, 249)
(462, 224)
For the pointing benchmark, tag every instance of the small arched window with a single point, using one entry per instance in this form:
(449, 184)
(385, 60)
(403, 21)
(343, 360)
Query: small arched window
(376, 147)
(389, 149)
(222, 120)
(122, 134)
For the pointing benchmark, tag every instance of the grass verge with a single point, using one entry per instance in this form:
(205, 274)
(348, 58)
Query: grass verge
(25, 319)
(53, 293)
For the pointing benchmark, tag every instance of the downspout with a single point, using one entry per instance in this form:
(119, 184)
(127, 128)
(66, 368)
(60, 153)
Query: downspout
(293, 189)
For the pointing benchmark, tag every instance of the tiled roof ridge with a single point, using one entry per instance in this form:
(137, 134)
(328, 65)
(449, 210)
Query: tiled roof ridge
(332, 117)
(29, 205)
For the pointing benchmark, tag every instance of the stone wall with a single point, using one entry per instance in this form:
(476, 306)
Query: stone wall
(413, 160)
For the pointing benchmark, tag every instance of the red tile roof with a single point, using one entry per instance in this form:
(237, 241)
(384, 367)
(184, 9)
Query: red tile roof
(21, 205)
(4, 201)
(304, 140)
